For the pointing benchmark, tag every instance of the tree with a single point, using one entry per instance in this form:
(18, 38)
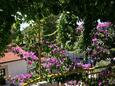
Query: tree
(29, 36)
(8, 11)
(89, 10)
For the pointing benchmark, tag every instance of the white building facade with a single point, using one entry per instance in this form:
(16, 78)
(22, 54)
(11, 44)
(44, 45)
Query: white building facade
(15, 67)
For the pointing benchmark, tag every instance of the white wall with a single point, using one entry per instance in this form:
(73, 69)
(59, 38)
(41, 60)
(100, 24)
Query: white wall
(16, 67)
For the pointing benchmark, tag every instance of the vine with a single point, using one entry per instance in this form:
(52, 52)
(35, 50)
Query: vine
(66, 35)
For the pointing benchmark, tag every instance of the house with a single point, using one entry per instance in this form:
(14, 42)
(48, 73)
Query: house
(12, 64)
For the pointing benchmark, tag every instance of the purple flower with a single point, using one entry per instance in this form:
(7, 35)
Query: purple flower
(25, 55)
(79, 64)
(52, 46)
(70, 82)
(21, 78)
(86, 66)
(62, 52)
(94, 40)
(54, 51)
(58, 65)
(16, 49)
(48, 66)
(99, 83)
(29, 56)
(103, 25)
(51, 62)
(29, 62)
(32, 56)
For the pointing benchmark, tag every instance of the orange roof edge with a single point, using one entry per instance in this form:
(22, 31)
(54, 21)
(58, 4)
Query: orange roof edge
(9, 57)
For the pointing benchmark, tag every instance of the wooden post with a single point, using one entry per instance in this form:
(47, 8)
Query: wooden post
(40, 46)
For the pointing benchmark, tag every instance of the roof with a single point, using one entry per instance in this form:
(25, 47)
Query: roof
(9, 57)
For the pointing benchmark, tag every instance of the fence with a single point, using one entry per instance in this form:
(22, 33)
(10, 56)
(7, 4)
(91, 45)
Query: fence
(90, 72)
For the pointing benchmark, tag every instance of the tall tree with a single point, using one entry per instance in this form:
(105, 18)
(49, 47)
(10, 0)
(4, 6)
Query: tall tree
(89, 10)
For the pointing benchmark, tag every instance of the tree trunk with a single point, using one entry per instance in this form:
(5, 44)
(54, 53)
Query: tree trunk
(89, 25)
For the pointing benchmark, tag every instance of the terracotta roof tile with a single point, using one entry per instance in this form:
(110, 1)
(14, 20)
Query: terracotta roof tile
(9, 57)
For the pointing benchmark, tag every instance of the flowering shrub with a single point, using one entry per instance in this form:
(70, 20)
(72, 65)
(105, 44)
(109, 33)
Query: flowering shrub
(104, 73)
(54, 55)
(99, 48)
(103, 25)
(17, 49)
(58, 62)
(21, 78)
(52, 64)
(55, 50)
(74, 83)
(86, 66)
(28, 56)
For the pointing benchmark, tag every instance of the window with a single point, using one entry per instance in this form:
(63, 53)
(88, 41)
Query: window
(2, 72)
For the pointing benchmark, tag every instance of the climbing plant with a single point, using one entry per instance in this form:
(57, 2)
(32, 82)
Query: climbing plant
(66, 33)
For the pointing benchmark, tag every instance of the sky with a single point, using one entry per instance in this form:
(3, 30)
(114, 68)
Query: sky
(26, 24)
(23, 26)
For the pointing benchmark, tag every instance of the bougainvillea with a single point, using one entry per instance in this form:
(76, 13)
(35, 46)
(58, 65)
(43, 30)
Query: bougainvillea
(28, 56)
(103, 25)
(58, 62)
(86, 66)
(20, 79)
(52, 64)
(100, 37)
(56, 50)
(55, 57)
